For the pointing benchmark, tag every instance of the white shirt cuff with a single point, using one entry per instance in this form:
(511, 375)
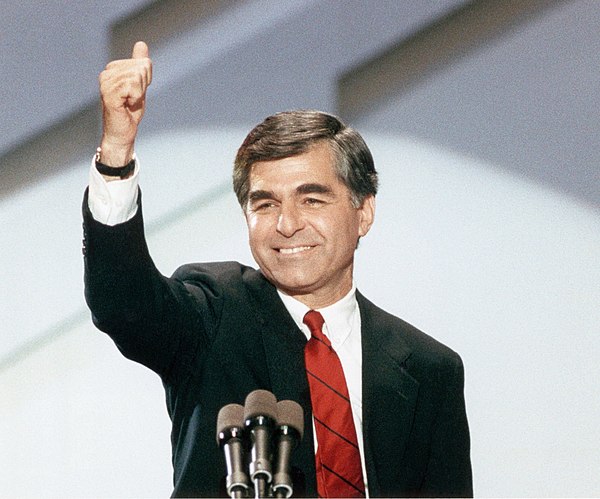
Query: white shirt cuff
(115, 202)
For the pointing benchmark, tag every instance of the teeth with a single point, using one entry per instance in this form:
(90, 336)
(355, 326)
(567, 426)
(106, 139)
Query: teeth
(289, 251)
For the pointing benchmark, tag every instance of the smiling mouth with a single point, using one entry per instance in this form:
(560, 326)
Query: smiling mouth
(291, 251)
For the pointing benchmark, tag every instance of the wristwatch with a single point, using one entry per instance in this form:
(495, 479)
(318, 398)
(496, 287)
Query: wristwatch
(112, 171)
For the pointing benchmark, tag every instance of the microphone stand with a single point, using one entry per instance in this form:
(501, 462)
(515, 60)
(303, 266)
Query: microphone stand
(230, 437)
(289, 431)
(282, 481)
(262, 425)
(260, 412)
(260, 466)
(236, 482)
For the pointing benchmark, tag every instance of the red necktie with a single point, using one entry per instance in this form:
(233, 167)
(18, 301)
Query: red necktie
(339, 473)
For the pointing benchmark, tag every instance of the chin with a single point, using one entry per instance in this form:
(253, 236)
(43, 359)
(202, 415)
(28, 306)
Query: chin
(294, 286)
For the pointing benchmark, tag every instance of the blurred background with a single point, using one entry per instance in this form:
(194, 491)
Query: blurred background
(482, 117)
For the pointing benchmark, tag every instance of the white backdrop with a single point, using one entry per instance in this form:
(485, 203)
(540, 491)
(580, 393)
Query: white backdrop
(504, 271)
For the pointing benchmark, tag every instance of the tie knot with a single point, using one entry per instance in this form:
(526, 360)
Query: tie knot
(314, 320)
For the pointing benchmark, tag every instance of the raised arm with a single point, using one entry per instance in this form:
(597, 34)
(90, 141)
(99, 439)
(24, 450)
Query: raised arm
(153, 319)
(123, 86)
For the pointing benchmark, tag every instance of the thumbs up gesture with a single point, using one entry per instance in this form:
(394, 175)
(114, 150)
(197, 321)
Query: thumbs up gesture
(123, 86)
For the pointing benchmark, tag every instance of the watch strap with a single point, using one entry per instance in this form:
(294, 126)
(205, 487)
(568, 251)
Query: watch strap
(112, 171)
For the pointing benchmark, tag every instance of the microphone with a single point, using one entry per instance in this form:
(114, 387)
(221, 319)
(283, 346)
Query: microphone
(260, 412)
(230, 428)
(289, 430)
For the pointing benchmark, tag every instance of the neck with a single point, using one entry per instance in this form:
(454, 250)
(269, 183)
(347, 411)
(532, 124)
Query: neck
(317, 301)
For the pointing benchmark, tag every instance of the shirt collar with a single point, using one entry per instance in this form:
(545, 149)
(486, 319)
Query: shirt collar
(339, 317)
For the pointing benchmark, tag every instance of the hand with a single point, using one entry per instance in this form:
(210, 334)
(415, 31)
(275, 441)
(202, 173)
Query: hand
(123, 86)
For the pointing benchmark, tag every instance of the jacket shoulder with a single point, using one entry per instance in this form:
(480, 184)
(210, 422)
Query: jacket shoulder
(228, 270)
(220, 284)
(395, 329)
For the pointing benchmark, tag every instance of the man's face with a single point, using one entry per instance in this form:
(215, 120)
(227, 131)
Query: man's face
(302, 227)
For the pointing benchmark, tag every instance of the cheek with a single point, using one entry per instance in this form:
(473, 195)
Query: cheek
(252, 222)
(257, 231)
(350, 241)
(343, 228)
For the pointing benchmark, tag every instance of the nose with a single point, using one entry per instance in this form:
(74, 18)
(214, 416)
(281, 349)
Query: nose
(290, 220)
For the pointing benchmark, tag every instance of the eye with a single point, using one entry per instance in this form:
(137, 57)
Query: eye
(313, 201)
(264, 206)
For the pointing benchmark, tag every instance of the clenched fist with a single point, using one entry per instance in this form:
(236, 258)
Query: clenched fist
(123, 86)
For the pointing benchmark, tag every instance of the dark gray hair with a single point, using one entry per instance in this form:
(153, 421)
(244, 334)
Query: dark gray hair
(290, 133)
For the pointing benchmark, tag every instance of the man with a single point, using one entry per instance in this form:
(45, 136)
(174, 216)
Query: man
(215, 332)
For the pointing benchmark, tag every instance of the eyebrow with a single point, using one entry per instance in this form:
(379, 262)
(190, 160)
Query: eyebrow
(310, 188)
(313, 189)
(260, 194)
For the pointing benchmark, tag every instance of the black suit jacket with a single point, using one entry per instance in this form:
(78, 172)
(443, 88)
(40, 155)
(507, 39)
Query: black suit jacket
(215, 332)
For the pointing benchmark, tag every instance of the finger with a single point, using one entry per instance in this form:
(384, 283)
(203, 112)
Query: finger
(149, 74)
(140, 50)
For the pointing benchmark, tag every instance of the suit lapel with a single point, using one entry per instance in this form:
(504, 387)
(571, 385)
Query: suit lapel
(389, 392)
(284, 351)
(389, 396)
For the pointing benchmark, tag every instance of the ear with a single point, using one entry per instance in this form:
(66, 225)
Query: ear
(367, 215)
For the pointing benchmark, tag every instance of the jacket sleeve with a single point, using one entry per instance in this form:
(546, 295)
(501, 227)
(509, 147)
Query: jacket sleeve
(154, 320)
(449, 468)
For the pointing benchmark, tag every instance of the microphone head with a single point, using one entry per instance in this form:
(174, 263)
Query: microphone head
(260, 403)
(230, 417)
(290, 413)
